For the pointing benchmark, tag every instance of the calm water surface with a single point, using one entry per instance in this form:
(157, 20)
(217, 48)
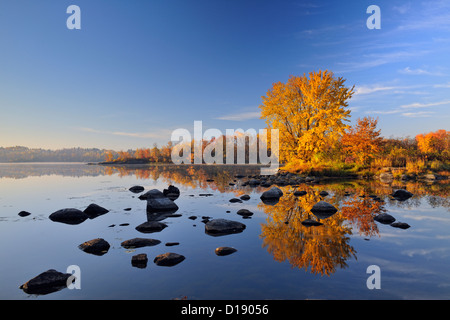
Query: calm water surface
(277, 257)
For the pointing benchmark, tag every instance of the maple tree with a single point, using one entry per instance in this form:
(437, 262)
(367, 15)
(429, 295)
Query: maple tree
(363, 141)
(309, 112)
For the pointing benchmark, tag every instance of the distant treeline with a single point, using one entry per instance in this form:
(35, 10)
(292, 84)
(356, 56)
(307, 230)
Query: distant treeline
(24, 154)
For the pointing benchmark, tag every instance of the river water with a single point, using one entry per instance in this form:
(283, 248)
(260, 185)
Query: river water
(277, 256)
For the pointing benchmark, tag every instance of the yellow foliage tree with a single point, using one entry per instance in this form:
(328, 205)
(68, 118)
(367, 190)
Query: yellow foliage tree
(309, 112)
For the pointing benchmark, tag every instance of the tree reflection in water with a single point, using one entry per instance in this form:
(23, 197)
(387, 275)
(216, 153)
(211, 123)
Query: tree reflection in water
(321, 249)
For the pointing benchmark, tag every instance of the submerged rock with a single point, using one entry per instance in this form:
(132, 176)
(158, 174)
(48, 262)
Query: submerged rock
(97, 246)
(139, 243)
(46, 282)
(224, 251)
(69, 216)
(168, 259)
(218, 227)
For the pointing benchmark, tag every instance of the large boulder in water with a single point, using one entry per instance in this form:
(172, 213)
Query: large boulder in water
(46, 282)
(273, 193)
(323, 210)
(69, 216)
(158, 202)
(402, 195)
(172, 192)
(219, 227)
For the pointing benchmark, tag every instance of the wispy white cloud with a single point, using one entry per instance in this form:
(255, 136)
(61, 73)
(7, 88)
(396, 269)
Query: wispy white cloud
(241, 116)
(419, 71)
(142, 135)
(420, 114)
(424, 105)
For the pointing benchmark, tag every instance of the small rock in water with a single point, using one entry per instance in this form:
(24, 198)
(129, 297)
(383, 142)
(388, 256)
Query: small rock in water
(224, 251)
(401, 225)
(218, 227)
(168, 259)
(402, 195)
(139, 260)
(139, 243)
(136, 189)
(234, 200)
(151, 226)
(97, 246)
(323, 210)
(384, 218)
(24, 213)
(245, 197)
(245, 213)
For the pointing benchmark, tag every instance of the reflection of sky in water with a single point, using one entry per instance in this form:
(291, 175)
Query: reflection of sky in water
(414, 262)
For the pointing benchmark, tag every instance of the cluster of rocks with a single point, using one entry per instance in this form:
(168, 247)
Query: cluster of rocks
(388, 177)
(281, 178)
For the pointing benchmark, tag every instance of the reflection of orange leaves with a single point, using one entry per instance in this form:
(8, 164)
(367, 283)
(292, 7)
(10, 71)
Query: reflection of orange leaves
(361, 212)
(320, 249)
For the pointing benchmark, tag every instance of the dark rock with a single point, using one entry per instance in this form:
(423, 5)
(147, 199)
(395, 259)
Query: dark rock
(192, 217)
(151, 226)
(152, 194)
(46, 282)
(136, 189)
(224, 251)
(127, 209)
(402, 195)
(401, 225)
(218, 227)
(69, 216)
(245, 197)
(234, 200)
(139, 260)
(161, 205)
(253, 182)
(205, 195)
(244, 212)
(299, 193)
(323, 210)
(139, 243)
(323, 193)
(171, 244)
(172, 192)
(384, 218)
(273, 193)
(124, 224)
(168, 259)
(310, 223)
(97, 246)
(24, 213)
(94, 210)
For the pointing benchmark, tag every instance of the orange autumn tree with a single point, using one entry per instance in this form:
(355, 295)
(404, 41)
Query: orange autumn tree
(362, 141)
(434, 142)
(309, 112)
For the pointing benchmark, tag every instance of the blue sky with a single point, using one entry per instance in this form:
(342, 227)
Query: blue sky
(139, 69)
